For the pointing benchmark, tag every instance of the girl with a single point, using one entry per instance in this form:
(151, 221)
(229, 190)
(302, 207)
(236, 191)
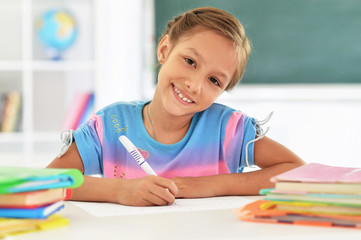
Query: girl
(196, 147)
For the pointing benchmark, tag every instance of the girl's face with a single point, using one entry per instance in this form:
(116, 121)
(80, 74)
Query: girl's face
(195, 71)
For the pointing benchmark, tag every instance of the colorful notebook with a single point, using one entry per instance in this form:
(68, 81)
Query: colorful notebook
(18, 179)
(264, 211)
(307, 207)
(331, 199)
(313, 194)
(40, 212)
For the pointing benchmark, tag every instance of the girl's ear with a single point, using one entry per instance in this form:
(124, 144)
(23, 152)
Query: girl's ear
(163, 49)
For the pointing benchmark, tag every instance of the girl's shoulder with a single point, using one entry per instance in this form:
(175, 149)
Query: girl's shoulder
(217, 109)
(222, 113)
(220, 108)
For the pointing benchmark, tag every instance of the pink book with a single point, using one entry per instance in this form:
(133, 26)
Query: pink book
(316, 173)
(76, 111)
(88, 110)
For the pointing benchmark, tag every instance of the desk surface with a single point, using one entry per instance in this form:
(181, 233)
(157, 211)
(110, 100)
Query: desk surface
(210, 224)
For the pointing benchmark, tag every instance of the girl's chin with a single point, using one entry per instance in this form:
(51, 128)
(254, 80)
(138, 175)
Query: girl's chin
(177, 109)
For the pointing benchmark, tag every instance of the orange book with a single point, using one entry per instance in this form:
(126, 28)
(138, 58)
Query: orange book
(264, 211)
(34, 199)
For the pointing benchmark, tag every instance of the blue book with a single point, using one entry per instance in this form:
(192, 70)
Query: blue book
(39, 213)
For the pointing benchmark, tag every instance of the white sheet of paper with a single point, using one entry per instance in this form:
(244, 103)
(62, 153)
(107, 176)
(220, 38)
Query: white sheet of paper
(181, 205)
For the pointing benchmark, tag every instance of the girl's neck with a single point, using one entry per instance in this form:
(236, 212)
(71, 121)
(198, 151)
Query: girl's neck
(163, 127)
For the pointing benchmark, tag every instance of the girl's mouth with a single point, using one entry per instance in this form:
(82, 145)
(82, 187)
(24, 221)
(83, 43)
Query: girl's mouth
(181, 96)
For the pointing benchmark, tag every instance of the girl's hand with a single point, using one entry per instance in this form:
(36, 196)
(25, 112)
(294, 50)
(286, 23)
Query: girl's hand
(194, 187)
(147, 191)
(184, 185)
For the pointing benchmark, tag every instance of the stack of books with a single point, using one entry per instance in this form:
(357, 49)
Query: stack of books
(29, 197)
(313, 194)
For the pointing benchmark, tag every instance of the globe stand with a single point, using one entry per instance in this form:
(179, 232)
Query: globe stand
(54, 54)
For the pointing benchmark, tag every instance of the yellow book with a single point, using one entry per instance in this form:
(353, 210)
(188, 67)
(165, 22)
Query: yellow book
(11, 112)
(305, 207)
(13, 226)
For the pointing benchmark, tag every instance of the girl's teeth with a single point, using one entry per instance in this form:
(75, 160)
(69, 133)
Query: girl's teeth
(181, 96)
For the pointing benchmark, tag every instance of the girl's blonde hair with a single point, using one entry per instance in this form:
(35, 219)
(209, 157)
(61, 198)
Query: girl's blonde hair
(217, 20)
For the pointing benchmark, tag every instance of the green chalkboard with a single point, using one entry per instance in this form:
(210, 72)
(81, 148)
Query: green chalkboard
(293, 41)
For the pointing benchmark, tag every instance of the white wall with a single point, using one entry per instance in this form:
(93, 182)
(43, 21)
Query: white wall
(125, 46)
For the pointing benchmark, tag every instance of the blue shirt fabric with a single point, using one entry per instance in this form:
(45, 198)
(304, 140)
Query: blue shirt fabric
(214, 144)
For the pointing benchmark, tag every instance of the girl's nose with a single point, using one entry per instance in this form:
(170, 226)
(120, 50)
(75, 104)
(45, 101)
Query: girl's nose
(194, 85)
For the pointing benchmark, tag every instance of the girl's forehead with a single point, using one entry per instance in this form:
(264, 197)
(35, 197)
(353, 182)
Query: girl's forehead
(205, 38)
(196, 32)
(208, 42)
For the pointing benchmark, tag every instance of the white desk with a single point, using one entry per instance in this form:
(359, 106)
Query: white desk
(210, 224)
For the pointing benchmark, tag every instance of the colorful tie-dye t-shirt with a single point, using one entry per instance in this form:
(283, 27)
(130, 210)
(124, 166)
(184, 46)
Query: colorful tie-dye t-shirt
(214, 144)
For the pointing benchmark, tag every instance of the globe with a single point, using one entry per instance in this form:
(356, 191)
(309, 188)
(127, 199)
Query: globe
(57, 31)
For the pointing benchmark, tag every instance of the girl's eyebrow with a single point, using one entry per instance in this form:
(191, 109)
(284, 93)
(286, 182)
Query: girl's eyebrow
(195, 52)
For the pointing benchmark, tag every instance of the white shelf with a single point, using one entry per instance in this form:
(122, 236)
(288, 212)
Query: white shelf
(11, 65)
(63, 66)
(19, 137)
(100, 61)
(48, 65)
(47, 86)
(47, 136)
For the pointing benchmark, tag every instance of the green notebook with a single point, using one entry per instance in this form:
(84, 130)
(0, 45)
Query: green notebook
(20, 179)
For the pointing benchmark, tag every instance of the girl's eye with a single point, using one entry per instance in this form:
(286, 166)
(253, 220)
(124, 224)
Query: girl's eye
(190, 62)
(214, 81)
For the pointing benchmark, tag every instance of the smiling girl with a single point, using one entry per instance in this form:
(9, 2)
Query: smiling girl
(196, 147)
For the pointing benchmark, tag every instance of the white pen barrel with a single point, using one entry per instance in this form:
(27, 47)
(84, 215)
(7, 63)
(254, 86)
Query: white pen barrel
(148, 169)
(127, 143)
(136, 155)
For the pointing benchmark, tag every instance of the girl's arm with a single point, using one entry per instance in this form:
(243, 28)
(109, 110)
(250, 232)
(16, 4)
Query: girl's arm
(272, 157)
(147, 191)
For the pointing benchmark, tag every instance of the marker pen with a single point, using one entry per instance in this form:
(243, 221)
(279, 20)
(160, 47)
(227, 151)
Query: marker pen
(136, 155)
